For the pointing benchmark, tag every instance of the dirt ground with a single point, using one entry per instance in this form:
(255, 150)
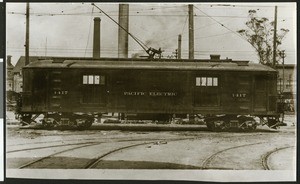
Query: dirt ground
(175, 147)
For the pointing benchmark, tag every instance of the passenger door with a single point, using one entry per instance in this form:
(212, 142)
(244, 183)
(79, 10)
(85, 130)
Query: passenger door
(239, 95)
(55, 92)
(94, 89)
(39, 90)
(260, 93)
(207, 91)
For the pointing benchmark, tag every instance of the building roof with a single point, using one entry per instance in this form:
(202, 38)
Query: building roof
(148, 64)
(21, 62)
(287, 66)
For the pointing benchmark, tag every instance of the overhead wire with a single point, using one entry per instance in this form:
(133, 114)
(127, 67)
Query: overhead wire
(144, 46)
(89, 31)
(206, 15)
(203, 37)
(222, 24)
(184, 24)
(111, 49)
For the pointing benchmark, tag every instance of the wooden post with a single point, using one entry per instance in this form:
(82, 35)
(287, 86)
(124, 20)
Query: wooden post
(191, 31)
(275, 38)
(27, 35)
(179, 47)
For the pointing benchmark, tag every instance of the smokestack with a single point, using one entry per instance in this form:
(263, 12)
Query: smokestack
(179, 46)
(191, 31)
(123, 35)
(96, 43)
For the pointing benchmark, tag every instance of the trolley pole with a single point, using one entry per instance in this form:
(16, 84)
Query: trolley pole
(27, 35)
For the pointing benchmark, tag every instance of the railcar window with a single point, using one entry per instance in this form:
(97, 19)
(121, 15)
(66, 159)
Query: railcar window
(209, 81)
(206, 81)
(102, 80)
(197, 81)
(215, 81)
(203, 81)
(93, 79)
(85, 79)
(97, 80)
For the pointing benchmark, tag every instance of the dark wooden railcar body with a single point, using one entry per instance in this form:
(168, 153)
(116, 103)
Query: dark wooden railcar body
(141, 86)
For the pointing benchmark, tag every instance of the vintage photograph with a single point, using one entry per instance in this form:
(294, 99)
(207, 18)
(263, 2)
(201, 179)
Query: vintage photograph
(151, 91)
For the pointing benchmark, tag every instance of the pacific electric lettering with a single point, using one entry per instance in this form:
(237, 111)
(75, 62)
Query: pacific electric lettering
(135, 93)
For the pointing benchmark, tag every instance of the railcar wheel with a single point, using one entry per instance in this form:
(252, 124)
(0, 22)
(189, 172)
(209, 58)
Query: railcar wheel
(83, 124)
(273, 122)
(209, 125)
(26, 119)
(247, 124)
(48, 122)
(219, 126)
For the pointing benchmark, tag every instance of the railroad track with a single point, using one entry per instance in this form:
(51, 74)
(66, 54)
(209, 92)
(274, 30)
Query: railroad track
(51, 155)
(44, 147)
(206, 163)
(96, 160)
(70, 144)
(265, 157)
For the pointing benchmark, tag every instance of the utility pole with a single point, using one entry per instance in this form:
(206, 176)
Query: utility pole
(191, 31)
(27, 36)
(275, 37)
(46, 48)
(282, 54)
(179, 47)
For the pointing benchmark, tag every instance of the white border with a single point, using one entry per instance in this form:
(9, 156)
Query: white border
(2, 132)
(182, 175)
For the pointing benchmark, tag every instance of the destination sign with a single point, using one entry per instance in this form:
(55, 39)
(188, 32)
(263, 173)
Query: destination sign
(150, 93)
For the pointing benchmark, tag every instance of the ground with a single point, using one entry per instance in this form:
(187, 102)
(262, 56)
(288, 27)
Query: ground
(148, 146)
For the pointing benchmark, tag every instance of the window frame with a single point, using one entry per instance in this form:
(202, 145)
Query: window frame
(93, 79)
(207, 81)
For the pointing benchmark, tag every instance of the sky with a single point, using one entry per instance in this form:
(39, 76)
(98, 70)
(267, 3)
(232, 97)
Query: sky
(66, 29)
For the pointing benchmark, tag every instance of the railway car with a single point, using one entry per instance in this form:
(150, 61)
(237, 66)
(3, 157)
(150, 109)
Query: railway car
(228, 94)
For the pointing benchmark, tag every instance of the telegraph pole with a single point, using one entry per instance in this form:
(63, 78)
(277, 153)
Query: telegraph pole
(179, 47)
(275, 38)
(282, 54)
(191, 31)
(46, 48)
(27, 36)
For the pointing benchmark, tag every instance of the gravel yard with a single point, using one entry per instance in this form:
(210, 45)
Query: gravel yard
(152, 147)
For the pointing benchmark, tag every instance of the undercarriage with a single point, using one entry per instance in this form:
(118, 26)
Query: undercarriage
(216, 123)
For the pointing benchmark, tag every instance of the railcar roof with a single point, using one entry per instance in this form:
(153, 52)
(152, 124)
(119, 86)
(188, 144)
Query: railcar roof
(111, 64)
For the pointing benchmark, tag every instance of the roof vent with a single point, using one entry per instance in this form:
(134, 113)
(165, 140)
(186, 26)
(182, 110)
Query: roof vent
(241, 63)
(215, 57)
(58, 60)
